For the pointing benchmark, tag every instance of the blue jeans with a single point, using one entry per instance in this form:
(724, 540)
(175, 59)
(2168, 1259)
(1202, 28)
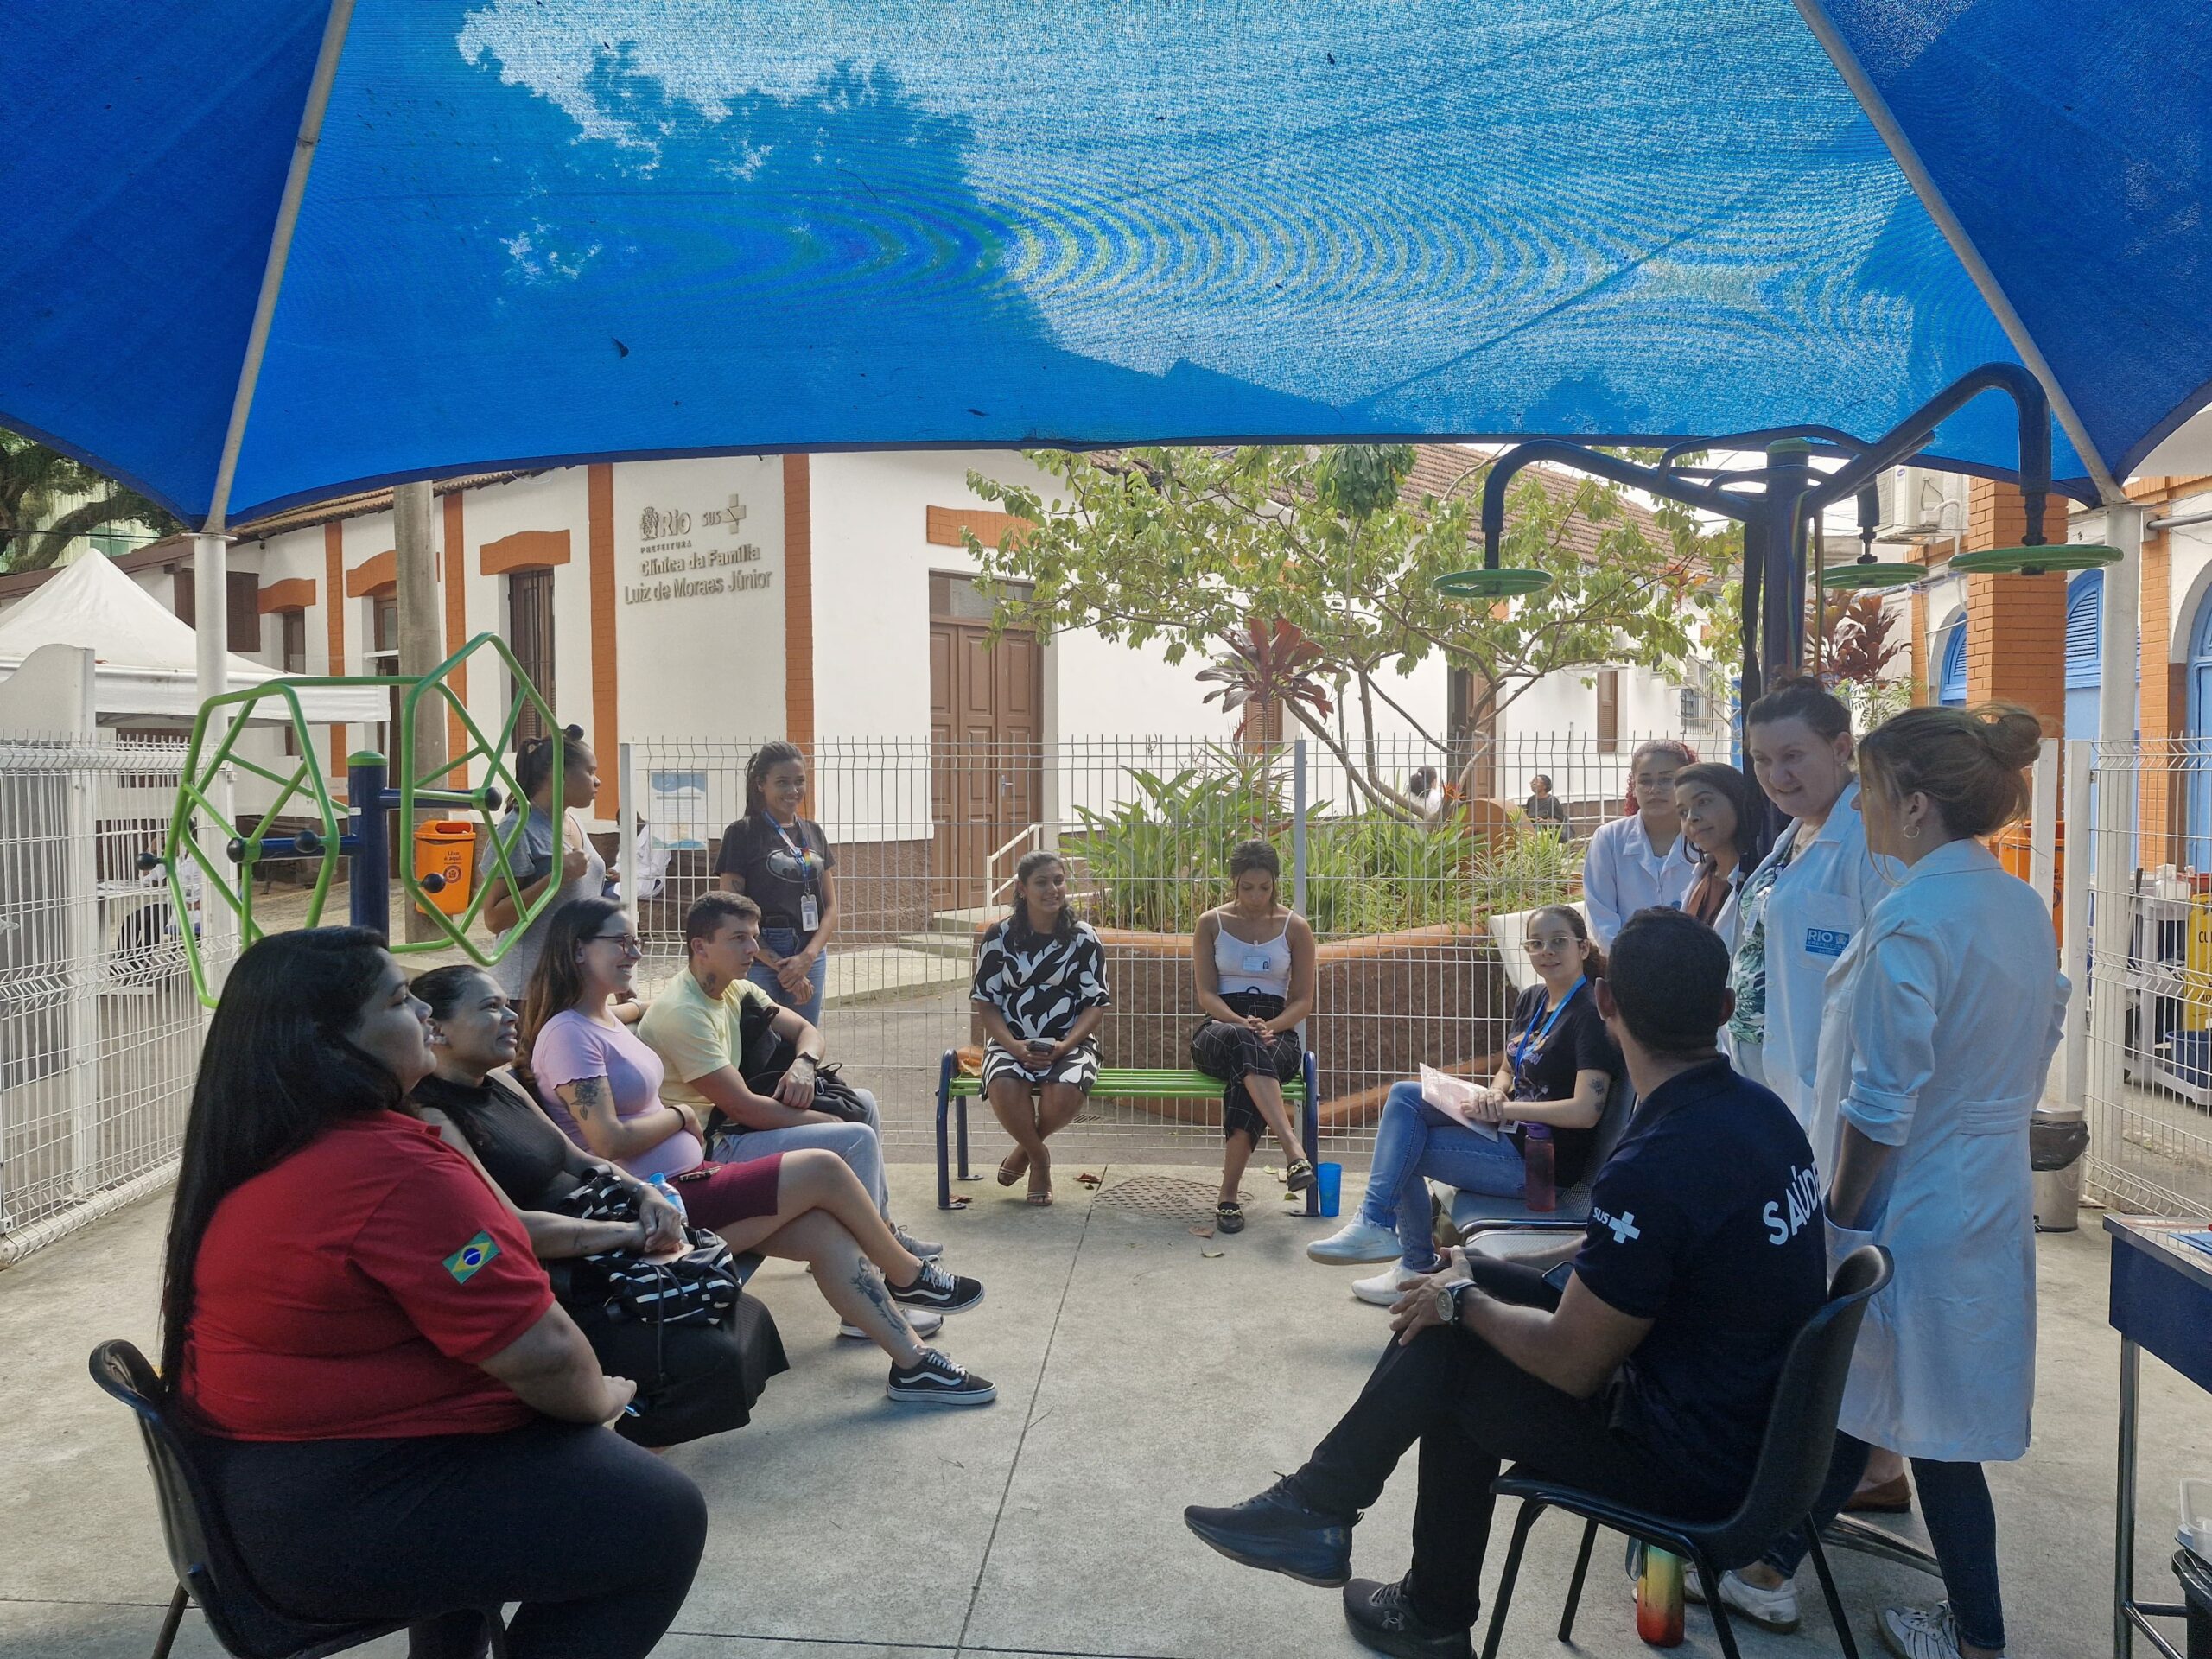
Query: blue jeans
(1416, 1143)
(784, 942)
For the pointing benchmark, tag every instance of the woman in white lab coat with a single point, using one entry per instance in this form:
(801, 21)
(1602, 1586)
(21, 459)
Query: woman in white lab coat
(1802, 905)
(1943, 1016)
(1640, 862)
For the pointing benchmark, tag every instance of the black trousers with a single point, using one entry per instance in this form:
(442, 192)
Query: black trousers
(596, 1538)
(1472, 1410)
(1234, 1052)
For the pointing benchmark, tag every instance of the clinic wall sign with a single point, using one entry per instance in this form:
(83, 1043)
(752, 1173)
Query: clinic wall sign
(690, 558)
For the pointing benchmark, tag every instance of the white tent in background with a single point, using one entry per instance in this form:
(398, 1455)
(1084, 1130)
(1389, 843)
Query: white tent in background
(144, 661)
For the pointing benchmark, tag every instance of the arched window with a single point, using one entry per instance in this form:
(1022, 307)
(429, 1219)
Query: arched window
(1951, 684)
(2085, 607)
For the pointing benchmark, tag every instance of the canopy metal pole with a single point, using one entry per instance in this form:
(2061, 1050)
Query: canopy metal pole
(1901, 150)
(210, 546)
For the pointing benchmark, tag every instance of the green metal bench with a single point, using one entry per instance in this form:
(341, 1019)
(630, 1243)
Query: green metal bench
(955, 1087)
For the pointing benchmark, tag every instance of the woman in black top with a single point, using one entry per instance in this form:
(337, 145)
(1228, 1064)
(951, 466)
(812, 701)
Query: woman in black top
(691, 1379)
(1558, 1065)
(784, 863)
(1040, 993)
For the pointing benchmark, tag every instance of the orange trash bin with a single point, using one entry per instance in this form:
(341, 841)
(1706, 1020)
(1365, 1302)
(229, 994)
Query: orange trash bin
(446, 848)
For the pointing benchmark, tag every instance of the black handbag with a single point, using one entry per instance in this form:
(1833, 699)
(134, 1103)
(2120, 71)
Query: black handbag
(700, 1286)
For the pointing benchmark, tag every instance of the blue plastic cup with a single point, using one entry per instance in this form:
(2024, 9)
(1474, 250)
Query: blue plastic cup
(1330, 1178)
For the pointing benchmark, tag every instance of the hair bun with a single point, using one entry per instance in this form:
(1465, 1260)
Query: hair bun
(2012, 733)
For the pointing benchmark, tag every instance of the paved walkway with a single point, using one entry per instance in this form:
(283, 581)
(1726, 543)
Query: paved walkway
(1137, 1374)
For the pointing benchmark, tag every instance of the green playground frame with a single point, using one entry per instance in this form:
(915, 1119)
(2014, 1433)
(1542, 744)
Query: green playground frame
(214, 746)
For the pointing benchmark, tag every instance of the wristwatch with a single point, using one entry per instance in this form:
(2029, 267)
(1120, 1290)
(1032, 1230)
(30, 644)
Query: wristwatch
(1447, 1300)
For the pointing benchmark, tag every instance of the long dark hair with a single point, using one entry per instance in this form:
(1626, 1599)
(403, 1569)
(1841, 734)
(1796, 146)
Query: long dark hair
(1018, 921)
(557, 982)
(766, 759)
(441, 988)
(1593, 958)
(1743, 798)
(275, 1071)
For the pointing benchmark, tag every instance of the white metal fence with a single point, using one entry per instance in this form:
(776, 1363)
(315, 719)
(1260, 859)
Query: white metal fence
(927, 833)
(99, 1031)
(2146, 1064)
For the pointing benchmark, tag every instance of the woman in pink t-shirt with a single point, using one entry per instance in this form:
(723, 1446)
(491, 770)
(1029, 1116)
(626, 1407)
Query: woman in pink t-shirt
(601, 1084)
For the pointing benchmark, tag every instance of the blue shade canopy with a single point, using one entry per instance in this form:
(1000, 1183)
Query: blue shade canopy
(549, 230)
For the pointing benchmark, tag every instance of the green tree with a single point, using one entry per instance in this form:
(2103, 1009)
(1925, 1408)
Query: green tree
(34, 525)
(1195, 549)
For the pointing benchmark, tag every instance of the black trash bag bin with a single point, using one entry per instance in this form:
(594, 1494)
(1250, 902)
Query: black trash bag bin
(2196, 1595)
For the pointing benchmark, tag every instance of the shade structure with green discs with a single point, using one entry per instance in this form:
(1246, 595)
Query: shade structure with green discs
(2035, 561)
(1506, 583)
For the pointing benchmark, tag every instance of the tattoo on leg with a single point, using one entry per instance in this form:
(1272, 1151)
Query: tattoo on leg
(870, 1283)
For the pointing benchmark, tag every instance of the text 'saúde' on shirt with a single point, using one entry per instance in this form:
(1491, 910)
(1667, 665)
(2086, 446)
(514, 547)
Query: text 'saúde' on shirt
(1707, 1220)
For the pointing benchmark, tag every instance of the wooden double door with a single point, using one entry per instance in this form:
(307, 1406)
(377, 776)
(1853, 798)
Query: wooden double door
(987, 750)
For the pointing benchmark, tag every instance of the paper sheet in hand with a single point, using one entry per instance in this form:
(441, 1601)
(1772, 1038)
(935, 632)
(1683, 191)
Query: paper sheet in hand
(1454, 1097)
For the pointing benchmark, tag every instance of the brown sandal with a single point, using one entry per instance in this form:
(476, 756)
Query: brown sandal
(1012, 1165)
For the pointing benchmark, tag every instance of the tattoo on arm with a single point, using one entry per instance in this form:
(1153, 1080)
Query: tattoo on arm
(588, 1096)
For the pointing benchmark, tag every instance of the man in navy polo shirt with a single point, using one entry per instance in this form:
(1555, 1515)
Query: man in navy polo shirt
(1648, 1379)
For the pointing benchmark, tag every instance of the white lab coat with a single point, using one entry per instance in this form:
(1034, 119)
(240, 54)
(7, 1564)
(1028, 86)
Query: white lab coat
(1621, 874)
(1813, 913)
(1941, 1021)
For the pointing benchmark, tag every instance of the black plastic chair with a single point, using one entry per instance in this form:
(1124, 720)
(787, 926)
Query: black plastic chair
(1476, 1213)
(1793, 1465)
(208, 1570)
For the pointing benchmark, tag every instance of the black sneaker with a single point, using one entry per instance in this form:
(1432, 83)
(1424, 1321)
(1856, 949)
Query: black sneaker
(1382, 1616)
(946, 1292)
(1277, 1533)
(935, 1380)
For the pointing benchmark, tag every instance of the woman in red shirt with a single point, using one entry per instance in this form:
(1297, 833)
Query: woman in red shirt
(399, 1422)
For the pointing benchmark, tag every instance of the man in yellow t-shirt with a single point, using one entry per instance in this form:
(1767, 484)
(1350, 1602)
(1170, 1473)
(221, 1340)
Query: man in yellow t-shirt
(697, 1026)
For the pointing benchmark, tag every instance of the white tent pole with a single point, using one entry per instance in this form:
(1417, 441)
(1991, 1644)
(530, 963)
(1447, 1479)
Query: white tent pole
(1878, 110)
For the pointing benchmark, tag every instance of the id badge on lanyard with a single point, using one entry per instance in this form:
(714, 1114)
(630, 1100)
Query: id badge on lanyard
(810, 903)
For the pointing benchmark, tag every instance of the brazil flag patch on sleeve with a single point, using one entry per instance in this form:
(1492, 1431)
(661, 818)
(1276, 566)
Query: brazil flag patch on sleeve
(464, 1261)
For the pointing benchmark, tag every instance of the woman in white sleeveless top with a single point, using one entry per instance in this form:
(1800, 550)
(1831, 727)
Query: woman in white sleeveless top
(1253, 960)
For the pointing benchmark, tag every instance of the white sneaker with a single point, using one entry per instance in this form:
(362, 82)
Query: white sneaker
(1921, 1632)
(1772, 1609)
(1356, 1241)
(1386, 1287)
(924, 1323)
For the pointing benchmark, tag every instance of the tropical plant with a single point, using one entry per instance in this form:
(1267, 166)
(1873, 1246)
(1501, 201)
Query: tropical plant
(1160, 860)
(1190, 548)
(48, 500)
(1855, 652)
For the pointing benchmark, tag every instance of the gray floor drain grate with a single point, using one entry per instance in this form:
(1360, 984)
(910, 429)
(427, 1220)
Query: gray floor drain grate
(1166, 1197)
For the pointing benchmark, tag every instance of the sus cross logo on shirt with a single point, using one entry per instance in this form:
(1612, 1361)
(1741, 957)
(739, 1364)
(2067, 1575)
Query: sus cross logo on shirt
(1623, 1226)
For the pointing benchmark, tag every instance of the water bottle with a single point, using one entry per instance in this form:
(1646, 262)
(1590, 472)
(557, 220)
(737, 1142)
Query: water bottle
(1659, 1599)
(1538, 1191)
(660, 1185)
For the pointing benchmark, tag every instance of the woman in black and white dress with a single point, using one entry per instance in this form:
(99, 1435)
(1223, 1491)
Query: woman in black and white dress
(1041, 991)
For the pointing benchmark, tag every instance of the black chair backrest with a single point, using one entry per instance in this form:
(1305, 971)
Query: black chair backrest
(1800, 1440)
(199, 1550)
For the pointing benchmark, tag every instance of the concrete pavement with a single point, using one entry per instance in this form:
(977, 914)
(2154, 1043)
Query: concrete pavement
(1136, 1375)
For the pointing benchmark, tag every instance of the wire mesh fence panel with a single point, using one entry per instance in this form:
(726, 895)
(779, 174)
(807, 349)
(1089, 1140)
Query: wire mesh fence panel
(2149, 1071)
(99, 1030)
(1400, 852)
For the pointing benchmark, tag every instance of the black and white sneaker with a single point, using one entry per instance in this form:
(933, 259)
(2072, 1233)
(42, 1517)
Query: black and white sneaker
(935, 1380)
(946, 1293)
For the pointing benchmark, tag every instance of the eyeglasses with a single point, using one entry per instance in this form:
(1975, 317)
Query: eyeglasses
(627, 944)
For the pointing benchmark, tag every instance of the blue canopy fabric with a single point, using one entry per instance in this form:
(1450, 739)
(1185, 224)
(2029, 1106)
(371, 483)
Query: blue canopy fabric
(540, 231)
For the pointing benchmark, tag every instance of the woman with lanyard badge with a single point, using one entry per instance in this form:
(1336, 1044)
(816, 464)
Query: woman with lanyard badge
(1559, 1066)
(784, 863)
